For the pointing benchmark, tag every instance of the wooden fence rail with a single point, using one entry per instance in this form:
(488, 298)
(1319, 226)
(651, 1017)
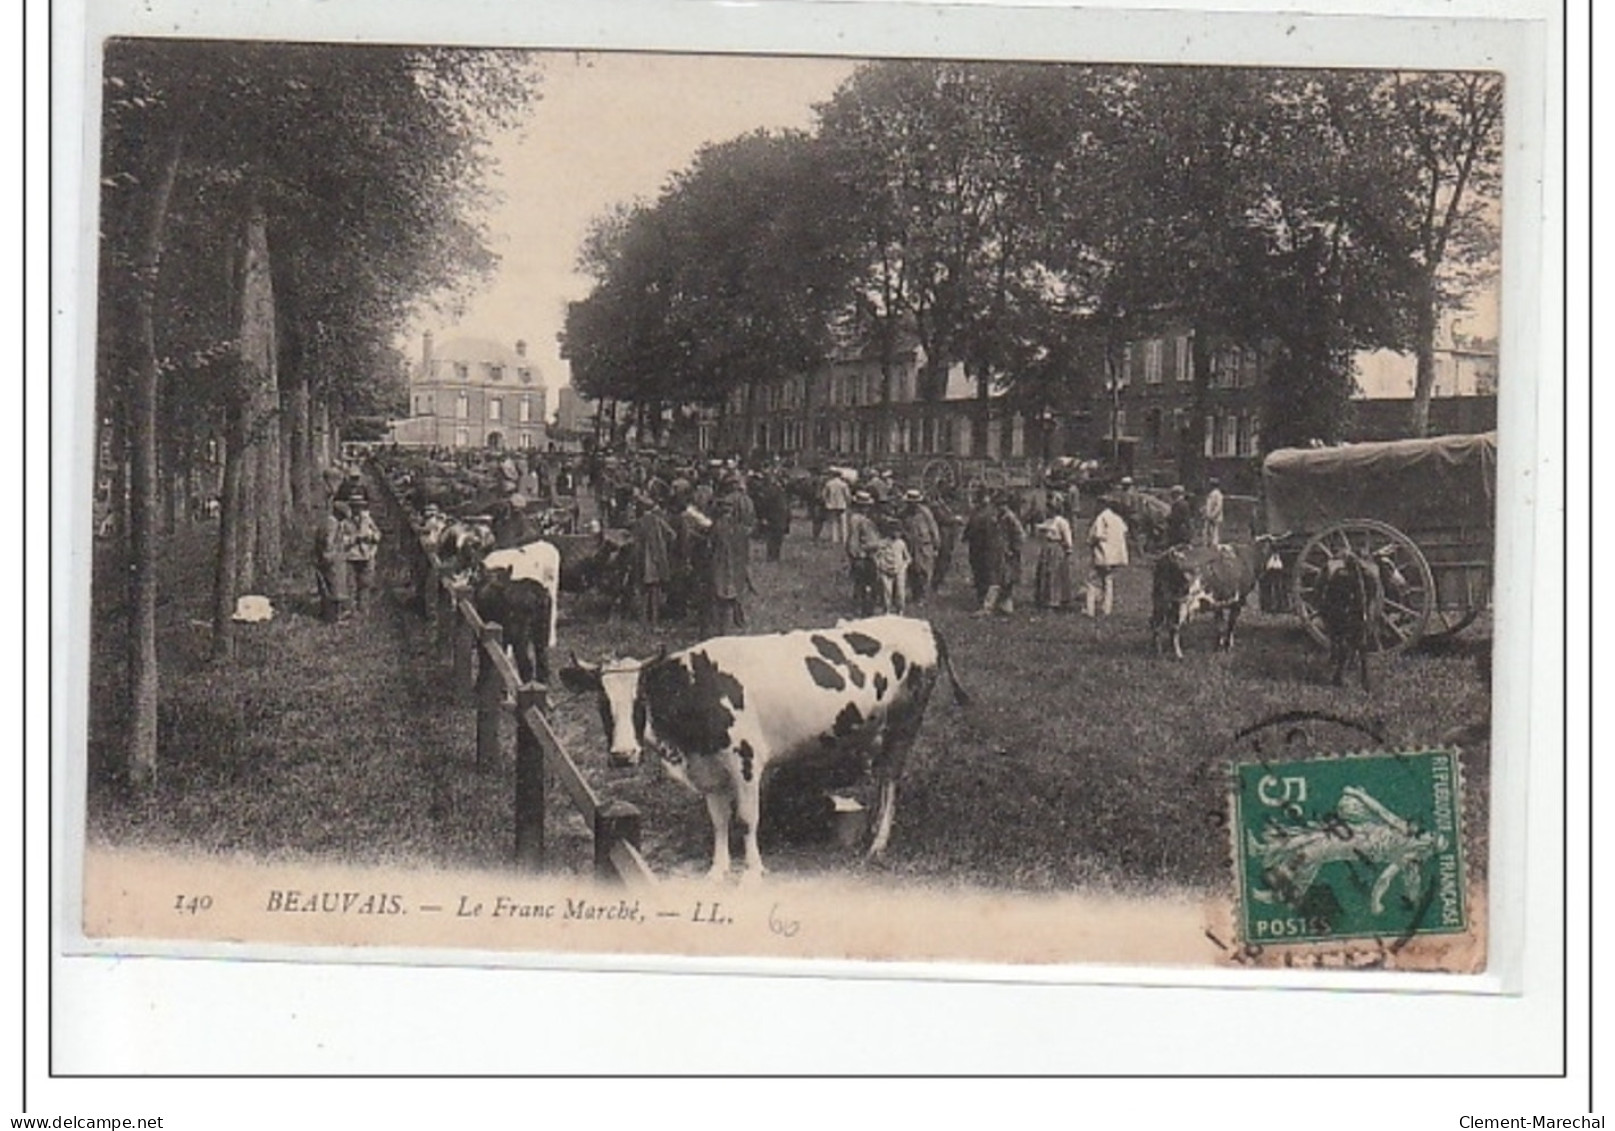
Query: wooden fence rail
(483, 670)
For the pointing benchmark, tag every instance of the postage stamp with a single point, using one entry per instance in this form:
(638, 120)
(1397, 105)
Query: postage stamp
(1362, 846)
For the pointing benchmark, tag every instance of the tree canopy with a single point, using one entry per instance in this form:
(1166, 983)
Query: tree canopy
(1017, 218)
(270, 216)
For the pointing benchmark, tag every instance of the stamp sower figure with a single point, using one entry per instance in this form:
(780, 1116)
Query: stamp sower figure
(362, 548)
(331, 562)
(1107, 540)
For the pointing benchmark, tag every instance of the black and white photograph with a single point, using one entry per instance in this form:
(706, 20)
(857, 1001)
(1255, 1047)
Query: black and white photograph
(561, 502)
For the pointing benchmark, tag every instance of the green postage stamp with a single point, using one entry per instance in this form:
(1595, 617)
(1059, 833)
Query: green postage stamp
(1359, 846)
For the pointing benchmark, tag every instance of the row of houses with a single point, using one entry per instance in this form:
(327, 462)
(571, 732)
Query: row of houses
(1139, 412)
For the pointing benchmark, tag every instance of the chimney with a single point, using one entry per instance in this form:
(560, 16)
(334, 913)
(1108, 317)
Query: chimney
(521, 347)
(426, 355)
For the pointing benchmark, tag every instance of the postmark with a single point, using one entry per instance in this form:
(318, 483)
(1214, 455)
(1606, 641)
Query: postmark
(1362, 846)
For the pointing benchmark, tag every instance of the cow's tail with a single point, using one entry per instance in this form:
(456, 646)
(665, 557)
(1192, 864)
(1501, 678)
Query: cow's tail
(960, 695)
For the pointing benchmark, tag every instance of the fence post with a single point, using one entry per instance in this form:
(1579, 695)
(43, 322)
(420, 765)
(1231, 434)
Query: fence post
(490, 697)
(421, 571)
(443, 596)
(465, 654)
(529, 780)
(613, 821)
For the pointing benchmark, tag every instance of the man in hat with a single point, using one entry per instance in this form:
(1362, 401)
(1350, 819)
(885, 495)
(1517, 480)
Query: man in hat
(745, 506)
(729, 570)
(1014, 536)
(362, 549)
(836, 497)
(1180, 520)
(331, 573)
(863, 539)
(921, 533)
(1211, 513)
(984, 540)
(773, 512)
(653, 544)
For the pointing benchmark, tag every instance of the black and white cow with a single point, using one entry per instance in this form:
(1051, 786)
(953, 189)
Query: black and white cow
(520, 588)
(719, 714)
(1217, 579)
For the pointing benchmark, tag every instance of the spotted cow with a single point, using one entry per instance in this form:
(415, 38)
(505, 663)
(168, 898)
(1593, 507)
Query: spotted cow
(518, 587)
(720, 714)
(1188, 580)
(538, 563)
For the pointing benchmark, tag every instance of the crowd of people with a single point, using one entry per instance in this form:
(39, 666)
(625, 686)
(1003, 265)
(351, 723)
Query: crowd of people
(685, 526)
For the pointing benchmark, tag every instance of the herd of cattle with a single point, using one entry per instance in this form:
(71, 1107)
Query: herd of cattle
(719, 714)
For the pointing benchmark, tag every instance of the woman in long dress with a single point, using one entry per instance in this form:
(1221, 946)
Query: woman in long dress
(1051, 586)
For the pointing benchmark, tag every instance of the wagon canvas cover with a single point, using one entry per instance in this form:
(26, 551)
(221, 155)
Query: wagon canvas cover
(1441, 482)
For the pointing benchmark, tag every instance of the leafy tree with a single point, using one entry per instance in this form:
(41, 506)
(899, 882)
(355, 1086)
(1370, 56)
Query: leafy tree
(1448, 133)
(730, 278)
(947, 197)
(358, 168)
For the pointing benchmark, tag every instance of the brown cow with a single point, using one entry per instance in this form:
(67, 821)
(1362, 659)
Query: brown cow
(1193, 579)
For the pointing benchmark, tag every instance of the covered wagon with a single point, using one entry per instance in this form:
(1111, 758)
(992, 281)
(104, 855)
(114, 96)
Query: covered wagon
(1427, 505)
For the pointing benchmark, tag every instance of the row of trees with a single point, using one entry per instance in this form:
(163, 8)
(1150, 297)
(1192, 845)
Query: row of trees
(271, 215)
(1026, 220)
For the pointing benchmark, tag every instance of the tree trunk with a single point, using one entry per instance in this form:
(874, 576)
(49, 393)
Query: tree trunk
(141, 750)
(165, 484)
(885, 419)
(1424, 353)
(261, 503)
(239, 447)
(299, 452)
(227, 565)
(982, 422)
(320, 441)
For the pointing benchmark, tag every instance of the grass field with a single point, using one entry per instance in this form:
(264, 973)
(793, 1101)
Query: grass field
(1084, 760)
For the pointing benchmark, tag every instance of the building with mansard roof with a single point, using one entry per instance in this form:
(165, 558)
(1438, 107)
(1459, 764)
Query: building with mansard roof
(474, 393)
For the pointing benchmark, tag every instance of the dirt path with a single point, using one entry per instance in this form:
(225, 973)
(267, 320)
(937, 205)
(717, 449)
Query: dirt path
(344, 740)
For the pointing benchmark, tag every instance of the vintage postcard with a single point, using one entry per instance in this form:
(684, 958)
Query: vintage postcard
(562, 505)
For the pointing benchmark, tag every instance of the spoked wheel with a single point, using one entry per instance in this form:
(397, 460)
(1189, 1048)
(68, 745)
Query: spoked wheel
(940, 477)
(1410, 589)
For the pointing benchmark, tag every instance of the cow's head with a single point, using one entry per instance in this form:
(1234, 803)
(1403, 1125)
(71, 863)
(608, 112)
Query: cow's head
(615, 683)
(462, 547)
(1393, 582)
